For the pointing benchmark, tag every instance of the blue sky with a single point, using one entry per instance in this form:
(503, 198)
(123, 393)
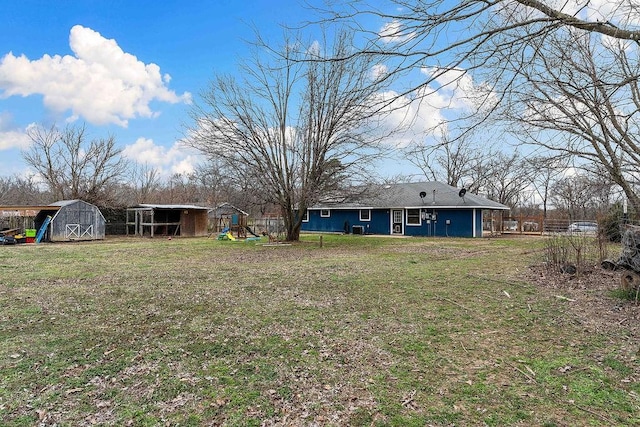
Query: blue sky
(49, 51)
(131, 68)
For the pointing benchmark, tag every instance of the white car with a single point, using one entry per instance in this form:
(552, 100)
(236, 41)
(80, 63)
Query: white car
(583, 227)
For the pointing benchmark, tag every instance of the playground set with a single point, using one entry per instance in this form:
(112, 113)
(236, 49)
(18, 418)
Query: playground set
(237, 224)
(231, 223)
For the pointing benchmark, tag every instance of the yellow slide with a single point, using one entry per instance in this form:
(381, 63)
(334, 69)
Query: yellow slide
(230, 236)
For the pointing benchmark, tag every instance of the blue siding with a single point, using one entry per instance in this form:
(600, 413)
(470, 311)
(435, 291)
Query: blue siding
(344, 219)
(460, 222)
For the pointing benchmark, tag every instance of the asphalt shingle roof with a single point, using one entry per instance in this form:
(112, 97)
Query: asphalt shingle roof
(407, 195)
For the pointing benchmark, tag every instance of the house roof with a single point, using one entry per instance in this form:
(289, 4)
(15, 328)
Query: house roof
(407, 195)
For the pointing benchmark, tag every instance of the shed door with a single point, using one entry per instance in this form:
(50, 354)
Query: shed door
(78, 231)
(396, 221)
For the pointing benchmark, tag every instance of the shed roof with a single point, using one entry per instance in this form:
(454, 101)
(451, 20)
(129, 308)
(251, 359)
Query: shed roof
(65, 202)
(155, 206)
(407, 195)
(28, 207)
(226, 208)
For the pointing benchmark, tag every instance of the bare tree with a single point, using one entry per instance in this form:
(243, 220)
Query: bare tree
(505, 177)
(584, 101)
(452, 160)
(299, 125)
(74, 167)
(216, 186)
(546, 172)
(463, 35)
(582, 196)
(567, 71)
(17, 190)
(145, 181)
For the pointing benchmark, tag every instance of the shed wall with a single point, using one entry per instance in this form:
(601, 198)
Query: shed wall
(75, 221)
(194, 222)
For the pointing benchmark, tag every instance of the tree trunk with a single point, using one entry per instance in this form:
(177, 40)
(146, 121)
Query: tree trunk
(291, 224)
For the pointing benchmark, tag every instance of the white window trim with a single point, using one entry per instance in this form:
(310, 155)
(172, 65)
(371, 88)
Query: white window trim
(322, 215)
(360, 214)
(410, 224)
(305, 217)
(401, 223)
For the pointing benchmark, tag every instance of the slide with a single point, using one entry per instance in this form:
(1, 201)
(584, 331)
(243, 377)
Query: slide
(251, 231)
(43, 229)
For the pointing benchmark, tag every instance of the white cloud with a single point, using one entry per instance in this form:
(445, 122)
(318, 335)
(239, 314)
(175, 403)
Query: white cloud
(411, 119)
(457, 89)
(378, 71)
(392, 32)
(145, 151)
(314, 49)
(621, 13)
(186, 166)
(175, 159)
(425, 112)
(101, 83)
(13, 139)
(10, 135)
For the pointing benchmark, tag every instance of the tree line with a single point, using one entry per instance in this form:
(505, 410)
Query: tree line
(527, 184)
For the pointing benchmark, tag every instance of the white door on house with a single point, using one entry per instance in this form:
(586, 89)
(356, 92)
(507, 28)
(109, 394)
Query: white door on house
(397, 222)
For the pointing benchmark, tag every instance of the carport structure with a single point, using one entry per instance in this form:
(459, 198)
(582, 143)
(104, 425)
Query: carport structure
(167, 220)
(18, 216)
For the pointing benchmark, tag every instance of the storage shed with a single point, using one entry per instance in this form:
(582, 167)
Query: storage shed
(167, 220)
(71, 220)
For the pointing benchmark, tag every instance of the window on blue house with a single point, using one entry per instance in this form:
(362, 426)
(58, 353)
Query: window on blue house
(325, 213)
(305, 217)
(413, 217)
(365, 214)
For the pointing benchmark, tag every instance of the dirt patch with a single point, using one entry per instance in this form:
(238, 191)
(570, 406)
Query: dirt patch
(593, 296)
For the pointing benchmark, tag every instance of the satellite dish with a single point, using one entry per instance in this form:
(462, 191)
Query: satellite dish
(462, 192)
(423, 194)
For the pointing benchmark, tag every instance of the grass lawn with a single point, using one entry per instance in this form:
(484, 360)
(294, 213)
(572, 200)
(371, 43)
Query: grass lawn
(362, 331)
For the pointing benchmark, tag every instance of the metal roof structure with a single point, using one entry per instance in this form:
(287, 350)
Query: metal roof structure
(227, 209)
(154, 206)
(167, 220)
(28, 207)
(430, 194)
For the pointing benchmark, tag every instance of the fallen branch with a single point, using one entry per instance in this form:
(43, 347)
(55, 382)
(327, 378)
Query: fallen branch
(529, 377)
(609, 421)
(407, 401)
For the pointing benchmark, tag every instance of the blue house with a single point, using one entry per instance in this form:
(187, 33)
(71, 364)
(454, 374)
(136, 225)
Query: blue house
(411, 209)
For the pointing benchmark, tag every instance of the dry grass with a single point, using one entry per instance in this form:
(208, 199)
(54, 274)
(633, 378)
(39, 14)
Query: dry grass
(364, 331)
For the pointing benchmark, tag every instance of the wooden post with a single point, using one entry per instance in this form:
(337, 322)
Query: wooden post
(520, 223)
(320, 240)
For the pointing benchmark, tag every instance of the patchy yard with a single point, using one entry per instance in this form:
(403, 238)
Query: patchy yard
(363, 331)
